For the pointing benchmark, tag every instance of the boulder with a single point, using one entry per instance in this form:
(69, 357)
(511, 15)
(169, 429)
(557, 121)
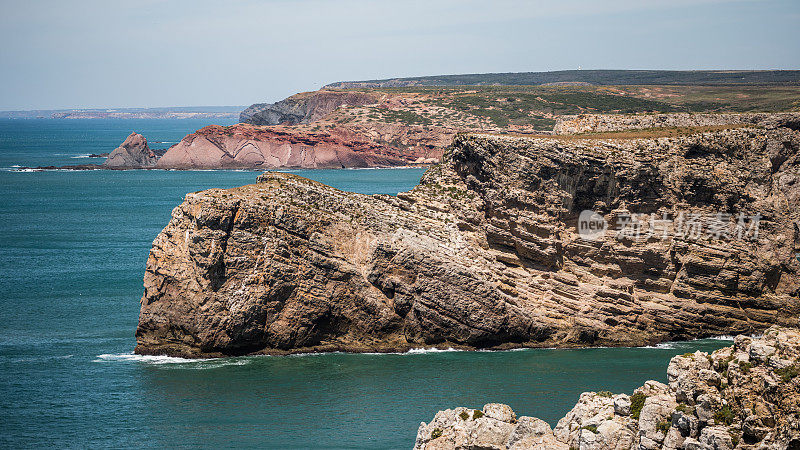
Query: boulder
(750, 413)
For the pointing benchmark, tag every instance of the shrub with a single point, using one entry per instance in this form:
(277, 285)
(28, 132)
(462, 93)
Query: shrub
(606, 394)
(464, 415)
(436, 433)
(789, 372)
(637, 402)
(682, 407)
(477, 414)
(592, 428)
(663, 426)
(745, 366)
(723, 365)
(724, 415)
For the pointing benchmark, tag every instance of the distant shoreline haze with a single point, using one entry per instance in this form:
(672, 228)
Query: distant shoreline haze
(168, 112)
(559, 77)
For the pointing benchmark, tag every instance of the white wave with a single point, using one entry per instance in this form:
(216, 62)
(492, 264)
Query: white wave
(166, 361)
(16, 166)
(520, 349)
(724, 337)
(413, 351)
(422, 351)
(143, 358)
(663, 345)
(86, 155)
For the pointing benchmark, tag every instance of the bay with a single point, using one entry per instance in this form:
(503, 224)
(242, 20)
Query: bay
(73, 246)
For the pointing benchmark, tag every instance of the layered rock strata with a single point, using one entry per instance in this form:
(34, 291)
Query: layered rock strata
(304, 107)
(249, 147)
(746, 396)
(132, 153)
(485, 252)
(600, 123)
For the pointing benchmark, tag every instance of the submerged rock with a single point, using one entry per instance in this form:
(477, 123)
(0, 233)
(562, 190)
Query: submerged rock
(756, 407)
(132, 153)
(485, 252)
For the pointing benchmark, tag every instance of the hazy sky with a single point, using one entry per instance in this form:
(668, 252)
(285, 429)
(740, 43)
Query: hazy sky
(58, 54)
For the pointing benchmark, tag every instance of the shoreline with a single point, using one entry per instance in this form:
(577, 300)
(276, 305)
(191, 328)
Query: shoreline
(405, 350)
(665, 345)
(96, 167)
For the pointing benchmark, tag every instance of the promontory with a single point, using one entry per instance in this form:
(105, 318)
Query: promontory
(487, 251)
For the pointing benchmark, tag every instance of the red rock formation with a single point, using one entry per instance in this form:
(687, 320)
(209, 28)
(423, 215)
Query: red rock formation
(250, 146)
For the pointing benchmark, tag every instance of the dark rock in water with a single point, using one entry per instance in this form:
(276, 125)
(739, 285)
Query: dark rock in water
(73, 167)
(743, 396)
(99, 155)
(486, 252)
(133, 153)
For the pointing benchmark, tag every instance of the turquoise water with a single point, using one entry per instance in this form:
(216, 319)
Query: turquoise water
(73, 246)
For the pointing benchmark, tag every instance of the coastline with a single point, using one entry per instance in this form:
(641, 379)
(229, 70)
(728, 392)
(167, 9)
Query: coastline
(389, 349)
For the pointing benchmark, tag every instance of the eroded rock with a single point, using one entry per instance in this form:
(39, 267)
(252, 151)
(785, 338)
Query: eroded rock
(132, 153)
(752, 412)
(485, 253)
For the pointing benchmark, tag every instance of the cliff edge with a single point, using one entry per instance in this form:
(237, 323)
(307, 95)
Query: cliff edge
(487, 252)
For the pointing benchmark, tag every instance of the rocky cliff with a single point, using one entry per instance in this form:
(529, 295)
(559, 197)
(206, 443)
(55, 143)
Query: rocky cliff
(599, 123)
(485, 252)
(746, 397)
(304, 107)
(247, 146)
(132, 153)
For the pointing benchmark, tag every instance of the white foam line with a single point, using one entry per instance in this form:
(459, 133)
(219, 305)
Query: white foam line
(185, 363)
(144, 358)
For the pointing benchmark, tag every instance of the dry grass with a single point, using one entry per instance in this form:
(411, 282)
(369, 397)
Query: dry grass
(647, 133)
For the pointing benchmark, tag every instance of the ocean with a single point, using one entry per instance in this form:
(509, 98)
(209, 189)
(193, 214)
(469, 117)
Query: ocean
(73, 247)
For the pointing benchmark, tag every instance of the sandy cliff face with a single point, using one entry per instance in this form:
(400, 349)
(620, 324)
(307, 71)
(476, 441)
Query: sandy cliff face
(485, 252)
(744, 397)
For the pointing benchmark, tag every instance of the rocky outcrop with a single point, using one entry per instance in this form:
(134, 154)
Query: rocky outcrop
(599, 123)
(304, 107)
(132, 153)
(248, 147)
(485, 252)
(745, 397)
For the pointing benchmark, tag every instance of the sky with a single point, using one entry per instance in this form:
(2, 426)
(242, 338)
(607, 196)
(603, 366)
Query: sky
(152, 53)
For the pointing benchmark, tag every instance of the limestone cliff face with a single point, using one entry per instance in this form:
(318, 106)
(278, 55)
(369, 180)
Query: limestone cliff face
(744, 397)
(485, 252)
(599, 123)
(132, 153)
(303, 108)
